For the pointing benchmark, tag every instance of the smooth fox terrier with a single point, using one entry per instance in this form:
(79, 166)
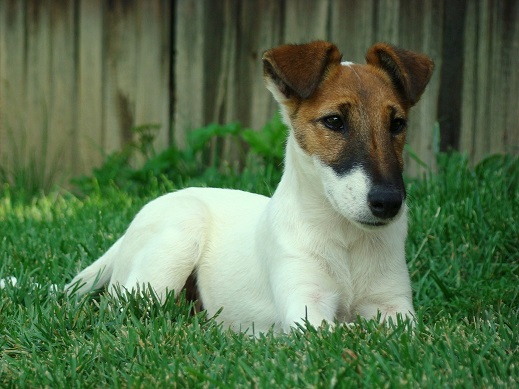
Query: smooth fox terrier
(329, 244)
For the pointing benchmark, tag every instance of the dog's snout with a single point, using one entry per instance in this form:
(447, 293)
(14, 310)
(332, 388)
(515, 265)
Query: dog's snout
(384, 203)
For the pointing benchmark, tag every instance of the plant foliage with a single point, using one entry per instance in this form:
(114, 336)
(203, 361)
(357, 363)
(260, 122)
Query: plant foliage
(191, 165)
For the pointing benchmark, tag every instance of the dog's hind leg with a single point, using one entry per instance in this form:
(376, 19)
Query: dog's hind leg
(165, 264)
(165, 253)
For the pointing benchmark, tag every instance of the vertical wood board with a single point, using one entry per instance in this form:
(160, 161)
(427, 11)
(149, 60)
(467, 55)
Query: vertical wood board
(62, 91)
(38, 87)
(13, 97)
(189, 68)
(89, 131)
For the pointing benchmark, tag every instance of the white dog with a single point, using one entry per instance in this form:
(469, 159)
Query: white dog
(329, 244)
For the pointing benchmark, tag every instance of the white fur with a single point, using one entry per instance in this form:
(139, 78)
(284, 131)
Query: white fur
(302, 254)
(345, 194)
(347, 63)
(271, 262)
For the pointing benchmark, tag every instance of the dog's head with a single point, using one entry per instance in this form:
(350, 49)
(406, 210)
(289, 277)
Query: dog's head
(351, 119)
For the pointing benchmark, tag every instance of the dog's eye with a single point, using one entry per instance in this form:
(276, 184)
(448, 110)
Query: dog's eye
(397, 125)
(333, 122)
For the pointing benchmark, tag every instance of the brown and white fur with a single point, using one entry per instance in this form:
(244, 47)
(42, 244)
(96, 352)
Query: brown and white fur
(329, 244)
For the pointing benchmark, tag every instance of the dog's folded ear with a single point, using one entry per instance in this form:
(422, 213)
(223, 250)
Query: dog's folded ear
(409, 71)
(297, 70)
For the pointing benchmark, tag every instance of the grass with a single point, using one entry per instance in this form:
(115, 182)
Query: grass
(463, 258)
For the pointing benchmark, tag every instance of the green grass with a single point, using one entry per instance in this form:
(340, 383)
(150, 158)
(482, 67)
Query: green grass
(463, 257)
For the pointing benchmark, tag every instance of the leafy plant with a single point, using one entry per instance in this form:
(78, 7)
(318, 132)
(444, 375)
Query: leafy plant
(269, 143)
(260, 150)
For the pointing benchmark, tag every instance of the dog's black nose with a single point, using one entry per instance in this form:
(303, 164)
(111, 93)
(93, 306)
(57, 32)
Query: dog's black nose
(384, 203)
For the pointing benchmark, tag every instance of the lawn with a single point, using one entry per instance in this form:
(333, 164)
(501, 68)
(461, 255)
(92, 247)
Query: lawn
(463, 256)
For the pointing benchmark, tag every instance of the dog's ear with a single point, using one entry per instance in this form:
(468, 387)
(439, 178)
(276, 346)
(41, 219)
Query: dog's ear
(409, 71)
(297, 70)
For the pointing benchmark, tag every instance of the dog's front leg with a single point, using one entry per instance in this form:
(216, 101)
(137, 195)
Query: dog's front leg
(390, 296)
(303, 292)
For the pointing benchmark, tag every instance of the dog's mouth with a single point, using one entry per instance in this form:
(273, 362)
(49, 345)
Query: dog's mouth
(373, 223)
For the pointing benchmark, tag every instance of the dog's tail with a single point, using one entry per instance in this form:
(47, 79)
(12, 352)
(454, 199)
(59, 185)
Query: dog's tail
(96, 275)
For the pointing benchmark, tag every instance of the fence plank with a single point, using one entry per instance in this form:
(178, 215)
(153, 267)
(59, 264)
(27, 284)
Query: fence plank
(3, 70)
(90, 130)
(477, 88)
(421, 30)
(496, 130)
(260, 29)
(225, 107)
(468, 104)
(352, 25)
(503, 75)
(509, 106)
(12, 84)
(221, 59)
(451, 77)
(153, 67)
(38, 87)
(62, 76)
(189, 74)
(388, 19)
(481, 135)
(120, 73)
(306, 20)
(490, 79)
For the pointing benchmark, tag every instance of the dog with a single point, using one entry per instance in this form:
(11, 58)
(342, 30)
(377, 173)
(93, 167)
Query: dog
(328, 246)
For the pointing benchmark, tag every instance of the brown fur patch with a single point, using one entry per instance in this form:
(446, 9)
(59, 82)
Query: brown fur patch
(366, 97)
(297, 70)
(363, 96)
(409, 72)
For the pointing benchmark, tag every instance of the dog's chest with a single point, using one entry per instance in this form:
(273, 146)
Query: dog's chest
(349, 263)
(336, 260)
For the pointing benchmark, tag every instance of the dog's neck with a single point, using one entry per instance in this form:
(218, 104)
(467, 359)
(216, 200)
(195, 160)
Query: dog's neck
(299, 174)
(300, 190)
(300, 207)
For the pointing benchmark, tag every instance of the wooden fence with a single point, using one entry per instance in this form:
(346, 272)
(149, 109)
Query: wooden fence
(77, 75)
